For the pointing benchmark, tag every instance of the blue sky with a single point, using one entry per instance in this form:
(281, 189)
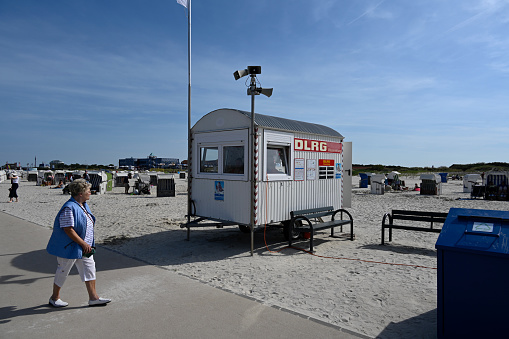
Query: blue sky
(412, 83)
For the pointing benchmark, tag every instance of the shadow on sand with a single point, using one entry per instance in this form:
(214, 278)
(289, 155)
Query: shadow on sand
(423, 326)
(209, 244)
(401, 249)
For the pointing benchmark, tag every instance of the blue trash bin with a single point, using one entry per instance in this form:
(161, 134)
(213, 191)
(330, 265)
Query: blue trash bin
(443, 177)
(364, 180)
(473, 274)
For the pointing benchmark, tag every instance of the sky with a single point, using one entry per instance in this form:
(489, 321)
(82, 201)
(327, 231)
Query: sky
(410, 83)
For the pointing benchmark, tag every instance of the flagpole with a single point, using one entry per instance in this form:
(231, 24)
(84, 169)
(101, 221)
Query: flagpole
(189, 141)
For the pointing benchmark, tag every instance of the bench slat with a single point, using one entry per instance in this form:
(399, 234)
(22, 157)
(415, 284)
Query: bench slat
(420, 213)
(322, 225)
(312, 210)
(419, 218)
(316, 215)
(415, 228)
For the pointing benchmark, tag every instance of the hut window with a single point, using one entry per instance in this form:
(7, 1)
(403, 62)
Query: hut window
(209, 159)
(326, 172)
(278, 155)
(233, 159)
(277, 160)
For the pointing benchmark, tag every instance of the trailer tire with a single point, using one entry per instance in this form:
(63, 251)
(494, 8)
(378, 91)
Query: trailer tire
(245, 228)
(286, 230)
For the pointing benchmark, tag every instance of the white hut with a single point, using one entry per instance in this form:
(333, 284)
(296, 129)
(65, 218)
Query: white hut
(32, 174)
(496, 178)
(496, 183)
(165, 185)
(297, 166)
(431, 184)
(59, 175)
(99, 181)
(153, 178)
(378, 183)
(469, 181)
(119, 179)
(45, 177)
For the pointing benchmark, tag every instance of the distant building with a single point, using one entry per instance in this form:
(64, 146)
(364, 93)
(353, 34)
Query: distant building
(149, 162)
(56, 164)
(127, 162)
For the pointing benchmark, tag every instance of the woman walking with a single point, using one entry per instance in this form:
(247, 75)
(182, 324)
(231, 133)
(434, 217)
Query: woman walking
(14, 187)
(72, 242)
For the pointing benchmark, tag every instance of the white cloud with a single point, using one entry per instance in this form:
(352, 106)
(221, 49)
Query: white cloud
(373, 11)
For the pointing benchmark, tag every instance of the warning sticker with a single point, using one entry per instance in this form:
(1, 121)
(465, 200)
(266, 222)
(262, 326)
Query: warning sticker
(483, 227)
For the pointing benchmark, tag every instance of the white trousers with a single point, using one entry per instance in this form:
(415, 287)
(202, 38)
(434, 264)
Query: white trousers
(85, 266)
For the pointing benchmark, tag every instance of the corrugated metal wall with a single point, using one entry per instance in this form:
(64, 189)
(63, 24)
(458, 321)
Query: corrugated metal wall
(275, 198)
(279, 198)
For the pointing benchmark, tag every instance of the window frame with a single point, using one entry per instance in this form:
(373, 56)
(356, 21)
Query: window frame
(278, 140)
(220, 140)
(208, 147)
(243, 160)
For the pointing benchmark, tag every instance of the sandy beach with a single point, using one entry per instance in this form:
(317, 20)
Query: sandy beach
(344, 284)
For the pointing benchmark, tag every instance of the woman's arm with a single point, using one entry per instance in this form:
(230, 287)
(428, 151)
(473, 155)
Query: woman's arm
(76, 238)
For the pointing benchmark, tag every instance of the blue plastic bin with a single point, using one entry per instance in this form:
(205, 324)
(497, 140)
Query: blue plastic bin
(473, 274)
(364, 180)
(443, 177)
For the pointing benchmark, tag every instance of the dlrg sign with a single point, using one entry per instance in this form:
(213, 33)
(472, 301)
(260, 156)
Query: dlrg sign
(317, 146)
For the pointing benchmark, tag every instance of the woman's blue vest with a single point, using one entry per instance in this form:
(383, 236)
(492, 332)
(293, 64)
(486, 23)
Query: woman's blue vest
(60, 244)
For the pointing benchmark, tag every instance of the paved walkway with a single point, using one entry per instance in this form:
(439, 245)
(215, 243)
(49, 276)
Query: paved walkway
(148, 301)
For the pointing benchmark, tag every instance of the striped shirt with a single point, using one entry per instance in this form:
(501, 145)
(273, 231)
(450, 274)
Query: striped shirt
(67, 220)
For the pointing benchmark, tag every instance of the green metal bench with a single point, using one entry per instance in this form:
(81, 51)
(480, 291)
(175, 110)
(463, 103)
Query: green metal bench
(302, 222)
(429, 217)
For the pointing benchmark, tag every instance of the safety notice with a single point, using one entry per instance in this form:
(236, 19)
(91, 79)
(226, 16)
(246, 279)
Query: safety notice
(483, 227)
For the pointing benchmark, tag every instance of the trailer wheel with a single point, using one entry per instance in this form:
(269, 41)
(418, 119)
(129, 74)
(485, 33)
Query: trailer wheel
(286, 230)
(245, 229)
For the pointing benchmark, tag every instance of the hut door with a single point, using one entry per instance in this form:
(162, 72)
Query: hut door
(347, 175)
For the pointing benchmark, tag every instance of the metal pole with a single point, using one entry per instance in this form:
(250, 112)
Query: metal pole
(253, 172)
(189, 141)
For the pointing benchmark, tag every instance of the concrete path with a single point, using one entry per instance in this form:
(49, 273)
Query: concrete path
(148, 301)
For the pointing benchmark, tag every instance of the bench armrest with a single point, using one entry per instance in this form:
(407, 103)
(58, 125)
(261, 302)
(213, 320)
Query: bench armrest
(341, 210)
(387, 215)
(299, 217)
(292, 225)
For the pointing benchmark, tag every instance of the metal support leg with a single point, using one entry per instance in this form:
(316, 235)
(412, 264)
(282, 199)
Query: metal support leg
(351, 230)
(312, 231)
(252, 239)
(383, 234)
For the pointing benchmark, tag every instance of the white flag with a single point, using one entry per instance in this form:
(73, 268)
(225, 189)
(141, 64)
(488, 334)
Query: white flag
(183, 3)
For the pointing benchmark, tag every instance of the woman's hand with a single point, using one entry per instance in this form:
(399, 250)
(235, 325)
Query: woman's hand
(76, 238)
(86, 248)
